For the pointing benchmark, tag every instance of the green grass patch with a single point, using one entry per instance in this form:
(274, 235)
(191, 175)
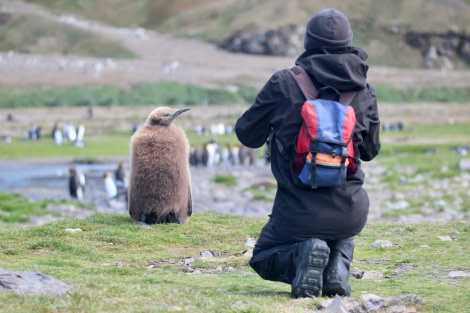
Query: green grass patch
(39, 35)
(161, 93)
(115, 265)
(227, 180)
(172, 93)
(413, 95)
(109, 143)
(14, 208)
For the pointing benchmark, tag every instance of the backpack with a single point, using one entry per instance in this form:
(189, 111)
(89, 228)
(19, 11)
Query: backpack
(324, 152)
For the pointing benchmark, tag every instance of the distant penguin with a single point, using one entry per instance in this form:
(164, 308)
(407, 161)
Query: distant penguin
(247, 154)
(211, 154)
(120, 175)
(76, 183)
(80, 133)
(160, 178)
(109, 185)
(58, 138)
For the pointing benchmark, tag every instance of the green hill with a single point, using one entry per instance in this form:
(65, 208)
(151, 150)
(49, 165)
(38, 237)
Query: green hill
(380, 26)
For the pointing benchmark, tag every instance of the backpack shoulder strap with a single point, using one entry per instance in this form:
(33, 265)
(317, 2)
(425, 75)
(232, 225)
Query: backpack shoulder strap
(303, 81)
(347, 97)
(308, 88)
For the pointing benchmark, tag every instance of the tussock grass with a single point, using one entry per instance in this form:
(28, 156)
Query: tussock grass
(108, 266)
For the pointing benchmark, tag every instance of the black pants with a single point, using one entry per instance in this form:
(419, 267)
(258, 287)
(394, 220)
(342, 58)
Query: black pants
(275, 259)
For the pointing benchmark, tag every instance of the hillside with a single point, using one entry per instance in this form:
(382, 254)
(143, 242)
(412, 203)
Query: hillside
(380, 26)
(160, 56)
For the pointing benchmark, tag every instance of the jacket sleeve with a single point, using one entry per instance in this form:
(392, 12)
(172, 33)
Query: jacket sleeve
(253, 127)
(367, 134)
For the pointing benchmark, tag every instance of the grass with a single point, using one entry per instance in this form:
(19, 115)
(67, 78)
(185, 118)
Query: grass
(14, 208)
(227, 180)
(172, 93)
(39, 35)
(159, 93)
(115, 265)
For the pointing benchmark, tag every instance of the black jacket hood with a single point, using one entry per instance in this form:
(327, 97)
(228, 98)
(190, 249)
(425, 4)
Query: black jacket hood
(344, 69)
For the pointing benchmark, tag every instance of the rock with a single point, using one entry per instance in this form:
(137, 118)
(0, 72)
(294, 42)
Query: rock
(445, 238)
(372, 303)
(207, 254)
(437, 48)
(396, 309)
(342, 305)
(31, 283)
(458, 274)
(356, 272)
(250, 242)
(404, 300)
(284, 41)
(464, 164)
(336, 306)
(382, 244)
(73, 230)
(373, 275)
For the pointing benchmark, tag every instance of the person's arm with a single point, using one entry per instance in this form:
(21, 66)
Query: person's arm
(368, 125)
(253, 127)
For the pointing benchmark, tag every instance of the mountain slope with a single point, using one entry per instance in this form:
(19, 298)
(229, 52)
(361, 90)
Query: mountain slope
(379, 25)
(163, 57)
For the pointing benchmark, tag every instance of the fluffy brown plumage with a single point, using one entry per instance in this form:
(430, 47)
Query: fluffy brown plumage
(160, 178)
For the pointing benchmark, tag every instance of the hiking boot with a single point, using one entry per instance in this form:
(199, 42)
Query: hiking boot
(311, 258)
(336, 276)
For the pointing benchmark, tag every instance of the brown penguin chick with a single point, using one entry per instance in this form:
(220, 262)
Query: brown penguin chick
(160, 178)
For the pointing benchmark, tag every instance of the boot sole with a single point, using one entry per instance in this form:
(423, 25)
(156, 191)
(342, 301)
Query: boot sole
(339, 289)
(308, 281)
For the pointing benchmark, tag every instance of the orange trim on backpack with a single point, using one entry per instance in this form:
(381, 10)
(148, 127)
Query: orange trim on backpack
(329, 160)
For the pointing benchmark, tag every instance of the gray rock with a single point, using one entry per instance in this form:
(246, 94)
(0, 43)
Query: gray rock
(284, 41)
(382, 244)
(31, 283)
(458, 274)
(372, 303)
(207, 254)
(464, 164)
(336, 306)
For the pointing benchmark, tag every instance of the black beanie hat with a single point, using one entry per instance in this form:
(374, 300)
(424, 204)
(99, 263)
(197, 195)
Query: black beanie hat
(328, 28)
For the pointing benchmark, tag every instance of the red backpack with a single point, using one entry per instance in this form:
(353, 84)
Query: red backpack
(324, 152)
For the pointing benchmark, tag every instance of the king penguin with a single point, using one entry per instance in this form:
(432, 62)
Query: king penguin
(120, 174)
(76, 183)
(109, 185)
(160, 178)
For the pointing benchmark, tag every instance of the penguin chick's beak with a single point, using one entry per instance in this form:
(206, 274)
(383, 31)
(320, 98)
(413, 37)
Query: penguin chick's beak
(180, 111)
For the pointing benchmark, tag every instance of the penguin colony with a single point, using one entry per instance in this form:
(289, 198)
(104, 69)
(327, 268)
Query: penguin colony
(160, 177)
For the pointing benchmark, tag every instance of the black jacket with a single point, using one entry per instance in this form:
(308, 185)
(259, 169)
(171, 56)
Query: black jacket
(326, 213)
